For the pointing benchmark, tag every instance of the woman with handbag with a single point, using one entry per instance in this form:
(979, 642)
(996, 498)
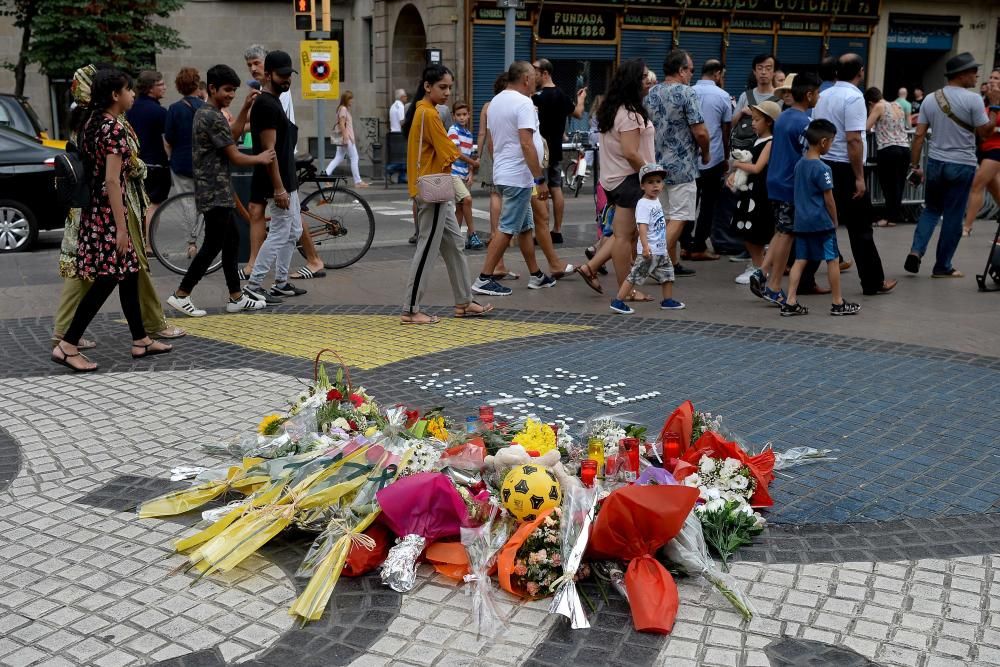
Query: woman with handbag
(429, 155)
(343, 139)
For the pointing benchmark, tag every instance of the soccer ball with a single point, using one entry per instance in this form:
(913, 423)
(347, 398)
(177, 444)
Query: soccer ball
(528, 490)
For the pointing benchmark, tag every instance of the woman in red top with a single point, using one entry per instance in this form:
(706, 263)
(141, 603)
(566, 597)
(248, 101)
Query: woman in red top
(988, 174)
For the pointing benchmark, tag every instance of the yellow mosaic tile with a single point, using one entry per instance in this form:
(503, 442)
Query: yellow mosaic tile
(364, 341)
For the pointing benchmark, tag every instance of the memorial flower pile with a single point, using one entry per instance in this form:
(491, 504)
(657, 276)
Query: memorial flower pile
(388, 487)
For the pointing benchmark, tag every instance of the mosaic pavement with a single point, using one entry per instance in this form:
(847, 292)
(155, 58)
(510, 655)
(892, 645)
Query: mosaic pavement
(884, 557)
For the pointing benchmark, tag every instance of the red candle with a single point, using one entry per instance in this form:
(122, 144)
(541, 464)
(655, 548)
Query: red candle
(671, 446)
(588, 472)
(630, 448)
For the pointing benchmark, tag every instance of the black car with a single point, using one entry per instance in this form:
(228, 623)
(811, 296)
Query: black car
(28, 200)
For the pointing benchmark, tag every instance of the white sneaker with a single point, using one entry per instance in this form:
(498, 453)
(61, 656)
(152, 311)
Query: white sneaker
(245, 303)
(744, 278)
(183, 304)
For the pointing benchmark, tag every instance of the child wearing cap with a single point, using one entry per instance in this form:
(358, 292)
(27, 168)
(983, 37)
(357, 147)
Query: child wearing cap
(652, 260)
(816, 221)
(753, 219)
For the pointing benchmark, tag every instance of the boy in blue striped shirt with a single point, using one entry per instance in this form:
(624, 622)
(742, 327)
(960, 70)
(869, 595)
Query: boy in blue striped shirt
(462, 174)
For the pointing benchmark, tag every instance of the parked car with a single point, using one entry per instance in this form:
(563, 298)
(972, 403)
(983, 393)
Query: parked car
(28, 201)
(15, 112)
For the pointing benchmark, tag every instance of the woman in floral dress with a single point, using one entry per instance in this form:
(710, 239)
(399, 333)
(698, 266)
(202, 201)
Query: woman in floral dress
(105, 254)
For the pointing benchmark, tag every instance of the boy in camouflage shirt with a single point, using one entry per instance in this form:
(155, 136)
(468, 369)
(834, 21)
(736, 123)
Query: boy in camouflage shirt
(214, 149)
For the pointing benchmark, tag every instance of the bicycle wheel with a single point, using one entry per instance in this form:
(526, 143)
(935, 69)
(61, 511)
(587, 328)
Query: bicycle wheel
(341, 225)
(176, 232)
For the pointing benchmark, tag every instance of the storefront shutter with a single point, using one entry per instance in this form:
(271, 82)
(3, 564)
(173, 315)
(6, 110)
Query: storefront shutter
(740, 55)
(652, 46)
(841, 45)
(487, 61)
(798, 50)
(702, 46)
(575, 51)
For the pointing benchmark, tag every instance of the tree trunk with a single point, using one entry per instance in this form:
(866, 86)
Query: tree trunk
(20, 68)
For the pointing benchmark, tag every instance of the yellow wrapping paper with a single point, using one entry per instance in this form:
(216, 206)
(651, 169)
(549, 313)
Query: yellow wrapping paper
(238, 478)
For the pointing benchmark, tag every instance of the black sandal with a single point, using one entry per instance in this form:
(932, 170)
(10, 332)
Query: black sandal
(148, 352)
(64, 361)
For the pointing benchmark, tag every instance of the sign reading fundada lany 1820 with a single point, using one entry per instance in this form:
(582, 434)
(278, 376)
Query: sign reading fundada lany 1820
(583, 26)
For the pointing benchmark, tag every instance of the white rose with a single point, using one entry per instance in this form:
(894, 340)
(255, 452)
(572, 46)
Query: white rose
(715, 505)
(692, 480)
(707, 464)
(341, 423)
(739, 482)
(713, 493)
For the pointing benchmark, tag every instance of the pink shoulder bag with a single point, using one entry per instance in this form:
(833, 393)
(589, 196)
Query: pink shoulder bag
(433, 188)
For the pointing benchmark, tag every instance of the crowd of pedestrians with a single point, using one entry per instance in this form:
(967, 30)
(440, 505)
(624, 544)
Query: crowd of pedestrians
(789, 154)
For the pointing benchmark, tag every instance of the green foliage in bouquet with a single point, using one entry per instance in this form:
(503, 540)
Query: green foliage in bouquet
(728, 525)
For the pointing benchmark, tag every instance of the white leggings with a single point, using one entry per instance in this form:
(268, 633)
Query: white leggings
(351, 151)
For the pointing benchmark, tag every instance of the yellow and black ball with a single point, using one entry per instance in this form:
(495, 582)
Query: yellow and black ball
(528, 490)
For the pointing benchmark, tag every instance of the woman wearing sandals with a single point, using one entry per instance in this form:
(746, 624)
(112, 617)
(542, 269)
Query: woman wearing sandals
(626, 141)
(105, 253)
(136, 202)
(430, 151)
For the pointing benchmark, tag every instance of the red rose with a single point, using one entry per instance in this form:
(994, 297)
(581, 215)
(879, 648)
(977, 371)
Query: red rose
(334, 395)
(352, 424)
(412, 416)
(356, 400)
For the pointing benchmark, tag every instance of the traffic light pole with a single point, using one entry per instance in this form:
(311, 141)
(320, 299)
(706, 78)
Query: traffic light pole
(510, 8)
(321, 104)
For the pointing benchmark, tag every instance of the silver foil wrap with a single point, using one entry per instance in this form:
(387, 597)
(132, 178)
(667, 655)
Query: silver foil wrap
(399, 571)
(567, 598)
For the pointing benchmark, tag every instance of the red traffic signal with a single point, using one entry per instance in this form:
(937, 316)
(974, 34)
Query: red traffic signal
(303, 6)
(305, 19)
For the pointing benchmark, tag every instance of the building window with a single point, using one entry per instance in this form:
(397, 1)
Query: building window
(337, 33)
(370, 47)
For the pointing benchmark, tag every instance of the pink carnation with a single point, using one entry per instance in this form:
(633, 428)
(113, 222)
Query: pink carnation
(520, 569)
(532, 588)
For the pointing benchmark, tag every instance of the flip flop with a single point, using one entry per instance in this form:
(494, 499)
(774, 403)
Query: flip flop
(510, 275)
(465, 312)
(431, 319)
(591, 280)
(632, 297)
(64, 362)
(954, 273)
(148, 352)
(305, 273)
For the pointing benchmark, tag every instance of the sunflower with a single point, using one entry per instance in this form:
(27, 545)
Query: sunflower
(269, 424)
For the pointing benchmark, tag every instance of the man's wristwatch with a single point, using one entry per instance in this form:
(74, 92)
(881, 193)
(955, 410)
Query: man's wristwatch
(539, 180)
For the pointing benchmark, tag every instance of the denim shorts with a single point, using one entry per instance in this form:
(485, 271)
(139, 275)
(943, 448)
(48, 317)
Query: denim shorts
(784, 216)
(515, 211)
(817, 246)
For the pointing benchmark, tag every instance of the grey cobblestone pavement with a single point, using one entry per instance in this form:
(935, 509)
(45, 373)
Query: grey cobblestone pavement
(887, 556)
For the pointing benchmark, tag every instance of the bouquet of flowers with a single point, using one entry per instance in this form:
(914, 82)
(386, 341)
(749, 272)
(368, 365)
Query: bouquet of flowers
(532, 560)
(482, 544)
(703, 422)
(729, 525)
(536, 436)
(729, 479)
(689, 551)
(579, 505)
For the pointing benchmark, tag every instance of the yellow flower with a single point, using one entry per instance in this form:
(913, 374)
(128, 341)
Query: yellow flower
(436, 428)
(370, 431)
(536, 436)
(269, 424)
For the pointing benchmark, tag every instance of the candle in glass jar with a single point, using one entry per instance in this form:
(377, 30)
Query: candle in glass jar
(671, 445)
(595, 451)
(588, 472)
(486, 416)
(630, 448)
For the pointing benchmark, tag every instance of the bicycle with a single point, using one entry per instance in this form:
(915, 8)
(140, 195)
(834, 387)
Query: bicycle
(339, 220)
(575, 167)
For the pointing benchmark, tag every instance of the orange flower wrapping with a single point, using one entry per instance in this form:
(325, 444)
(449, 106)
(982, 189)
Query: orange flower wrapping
(714, 445)
(449, 559)
(634, 522)
(508, 555)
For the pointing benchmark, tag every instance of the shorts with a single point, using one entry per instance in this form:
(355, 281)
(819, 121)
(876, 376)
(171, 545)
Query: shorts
(515, 210)
(784, 216)
(817, 246)
(681, 201)
(461, 191)
(627, 194)
(157, 183)
(658, 268)
(993, 154)
(553, 176)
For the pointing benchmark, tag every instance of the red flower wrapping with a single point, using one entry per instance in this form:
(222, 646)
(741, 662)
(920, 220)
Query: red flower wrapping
(680, 421)
(714, 445)
(633, 524)
(334, 395)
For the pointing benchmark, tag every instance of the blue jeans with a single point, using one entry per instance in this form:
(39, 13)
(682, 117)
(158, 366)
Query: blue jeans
(945, 198)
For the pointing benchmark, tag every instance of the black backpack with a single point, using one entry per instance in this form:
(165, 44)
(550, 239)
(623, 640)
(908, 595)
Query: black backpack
(743, 136)
(72, 177)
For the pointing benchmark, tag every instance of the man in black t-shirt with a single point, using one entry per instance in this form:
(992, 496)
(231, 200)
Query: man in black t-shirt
(276, 182)
(554, 107)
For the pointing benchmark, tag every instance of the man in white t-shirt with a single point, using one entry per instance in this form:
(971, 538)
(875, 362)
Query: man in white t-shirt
(517, 169)
(398, 111)
(844, 105)
(951, 160)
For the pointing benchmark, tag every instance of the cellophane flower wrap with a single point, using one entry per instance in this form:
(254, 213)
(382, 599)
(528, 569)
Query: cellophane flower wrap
(714, 445)
(633, 524)
(420, 508)
(209, 485)
(578, 509)
(689, 551)
(482, 544)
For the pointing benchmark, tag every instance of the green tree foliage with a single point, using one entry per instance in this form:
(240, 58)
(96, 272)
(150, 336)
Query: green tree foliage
(66, 34)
